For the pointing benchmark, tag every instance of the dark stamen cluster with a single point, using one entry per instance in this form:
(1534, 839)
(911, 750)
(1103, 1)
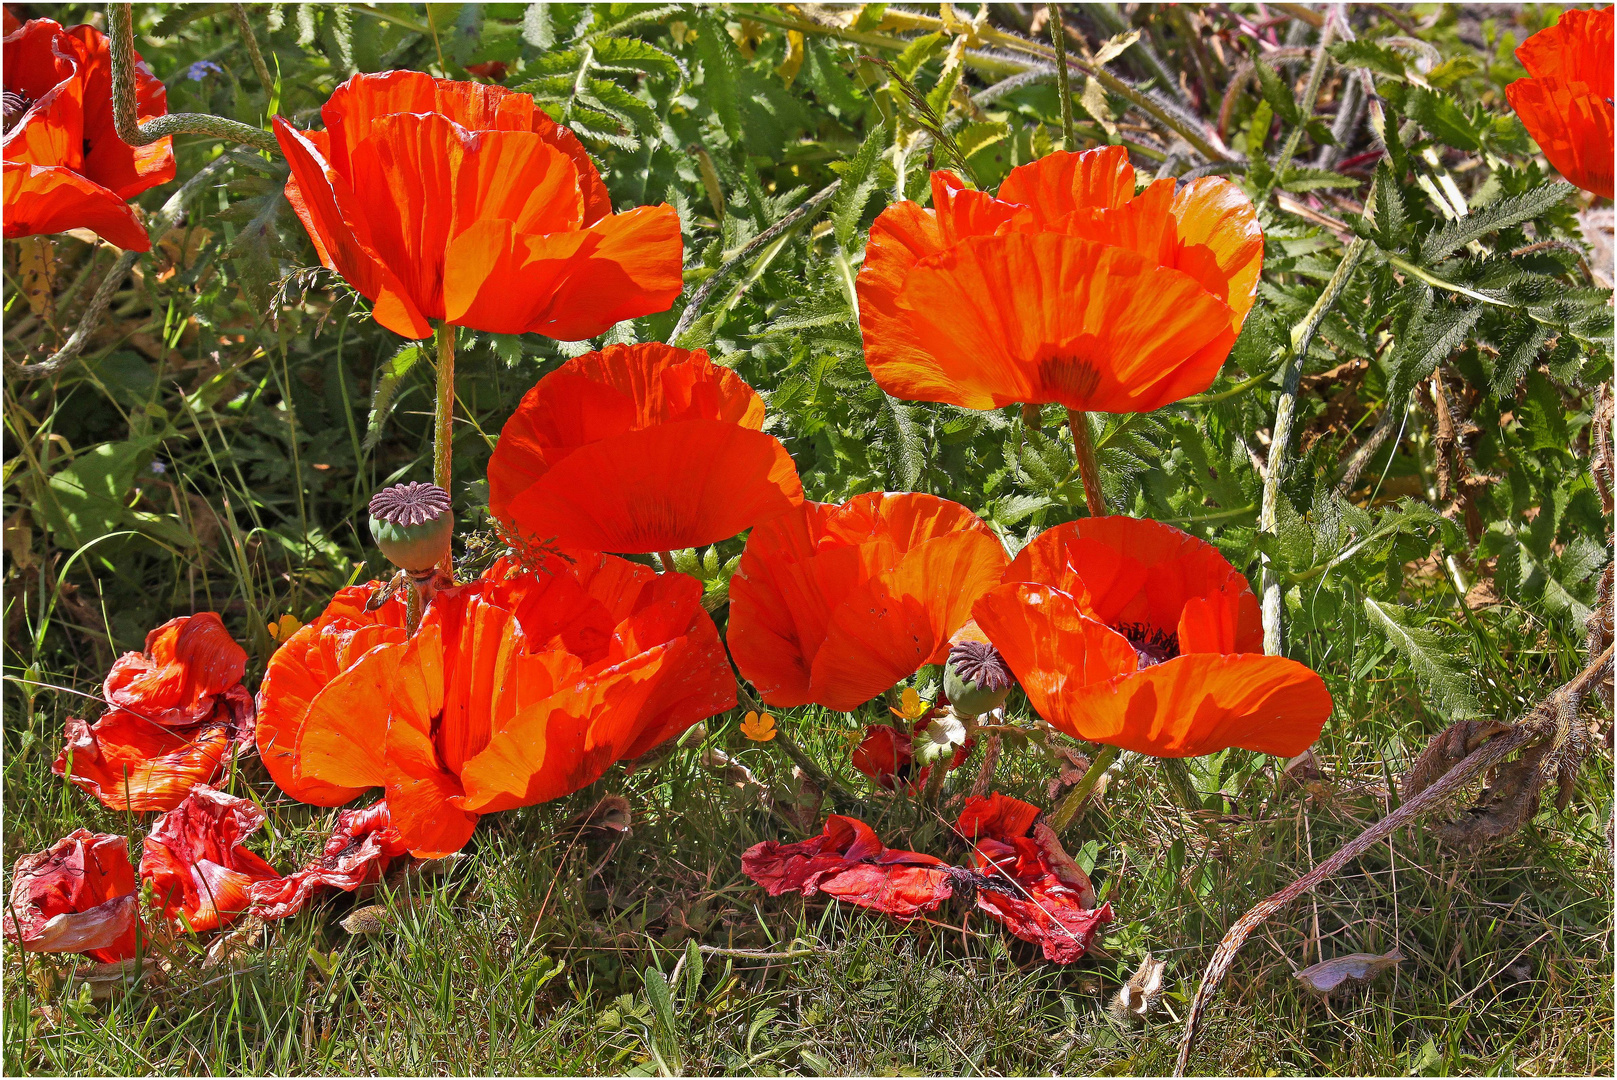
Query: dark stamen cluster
(16, 107)
(1151, 645)
(410, 504)
(980, 663)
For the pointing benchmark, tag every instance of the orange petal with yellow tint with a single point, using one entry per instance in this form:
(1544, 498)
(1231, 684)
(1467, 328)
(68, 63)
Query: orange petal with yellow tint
(342, 740)
(130, 763)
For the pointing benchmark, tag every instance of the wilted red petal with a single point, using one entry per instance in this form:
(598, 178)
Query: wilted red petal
(1067, 287)
(1566, 101)
(131, 763)
(65, 167)
(876, 585)
(197, 864)
(188, 662)
(639, 448)
(77, 896)
(887, 757)
(996, 817)
(848, 861)
(357, 853)
(460, 201)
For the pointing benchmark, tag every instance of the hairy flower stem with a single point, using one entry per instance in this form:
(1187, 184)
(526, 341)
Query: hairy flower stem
(667, 558)
(934, 782)
(412, 607)
(1083, 449)
(1058, 39)
(126, 117)
(1072, 806)
(443, 437)
(250, 40)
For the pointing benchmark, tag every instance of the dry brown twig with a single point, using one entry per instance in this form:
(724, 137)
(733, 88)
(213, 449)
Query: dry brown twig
(1549, 741)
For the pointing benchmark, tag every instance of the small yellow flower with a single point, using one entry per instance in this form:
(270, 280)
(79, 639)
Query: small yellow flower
(758, 728)
(910, 706)
(283, 628)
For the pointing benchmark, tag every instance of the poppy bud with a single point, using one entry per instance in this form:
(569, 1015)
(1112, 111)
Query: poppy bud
(976, 678)
(412, 524)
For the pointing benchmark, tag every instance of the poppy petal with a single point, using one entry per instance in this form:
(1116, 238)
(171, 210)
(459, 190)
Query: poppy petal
(1094, 328)
(187, 664)
(1057, 184)
(77, 896)
(635, 492)
(848, 861)
(634, 267)
(43, 199)
(130, 763)
(1051, 646)
(197, 864)
(359, 850)
(342, 739)
(1573, 129)
(1219, 242)
(902, 618)
(1202, 703)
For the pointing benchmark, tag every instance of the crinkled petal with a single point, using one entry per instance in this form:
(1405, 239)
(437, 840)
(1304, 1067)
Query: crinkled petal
(130, 763)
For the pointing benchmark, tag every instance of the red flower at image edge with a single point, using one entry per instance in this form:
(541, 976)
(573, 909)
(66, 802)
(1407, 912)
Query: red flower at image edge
(194, 857)
(465, 203)
(836, 604)
(65, 167)
(357, 854)
(639, 449)
(1065, 287)
(1566, 100)
(1130, 632)
(79, 896)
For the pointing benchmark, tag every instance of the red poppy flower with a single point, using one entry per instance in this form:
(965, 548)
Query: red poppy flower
(836, 604)
(318, 673)
(489, 69)
(357, 854)
(1565, 101)
(1131, 632)
(187, 664)
(1030, 884)
(466, 203)
(130, 763)
(889, 759)
(65, 167)
(197, 864)
(518, 688)
(847, 861)
(1066, 287)
(639, 448)
(79, 896)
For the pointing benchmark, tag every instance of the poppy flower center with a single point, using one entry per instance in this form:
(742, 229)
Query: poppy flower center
(409, 504)
(980, 663)
(1151, 645)
(16, 107)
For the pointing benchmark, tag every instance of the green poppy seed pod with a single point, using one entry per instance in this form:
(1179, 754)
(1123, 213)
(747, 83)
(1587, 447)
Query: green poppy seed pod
(412, 524)
(976, 678)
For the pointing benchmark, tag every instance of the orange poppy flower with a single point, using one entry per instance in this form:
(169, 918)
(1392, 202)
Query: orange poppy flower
(1130, 632)
(300, 673)
(1066, 287)
(836, 604)
(1030, 884)
(518, 688)
(79, 896)
(1565, 101)
(848, 861)
(358, 852)
(65, 167)
(188, 663)
(466, 203)
(636, 449)
(199, 870)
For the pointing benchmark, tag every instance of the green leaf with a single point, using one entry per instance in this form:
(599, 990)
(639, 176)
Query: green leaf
(906, 449)
(1442, 675)
(1277, 92)
(1368, 54)
(1428, 345)
(1504, 214)
(633, 54)
(537, 29)
(721, 72)
(389, 380)
(1302, 178)
(918, 52)
(857, 185)
(89, 496)
(1442, 119)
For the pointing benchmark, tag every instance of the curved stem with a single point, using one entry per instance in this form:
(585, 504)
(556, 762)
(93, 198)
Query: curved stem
(1073, 804)
(250, 40)
(1083, 449)
(126, 118)
(1058, 40)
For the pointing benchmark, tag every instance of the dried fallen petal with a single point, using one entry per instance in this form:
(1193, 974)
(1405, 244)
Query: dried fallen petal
(129, 762)
(1345, 972)
(197, 864)
(848, 861)
(358, 852)
(77, 896)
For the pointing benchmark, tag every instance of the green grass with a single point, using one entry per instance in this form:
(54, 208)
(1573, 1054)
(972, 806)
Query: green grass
(532, 956)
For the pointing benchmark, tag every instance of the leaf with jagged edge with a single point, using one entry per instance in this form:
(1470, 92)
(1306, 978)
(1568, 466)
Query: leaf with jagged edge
(1432, 660)
(1504, 214)
(389, 381)
(858, 184)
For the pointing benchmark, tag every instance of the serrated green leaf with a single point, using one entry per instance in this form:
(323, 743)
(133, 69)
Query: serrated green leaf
(1277, 92)
(857, 186)
(389, 380)
(1442, 675)
(1504, 214)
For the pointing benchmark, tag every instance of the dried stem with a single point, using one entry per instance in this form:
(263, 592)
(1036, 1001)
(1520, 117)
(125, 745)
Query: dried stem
(172, 214)
(1541, 724)
(1083, 450)
(1359, 460)
(126, 118)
